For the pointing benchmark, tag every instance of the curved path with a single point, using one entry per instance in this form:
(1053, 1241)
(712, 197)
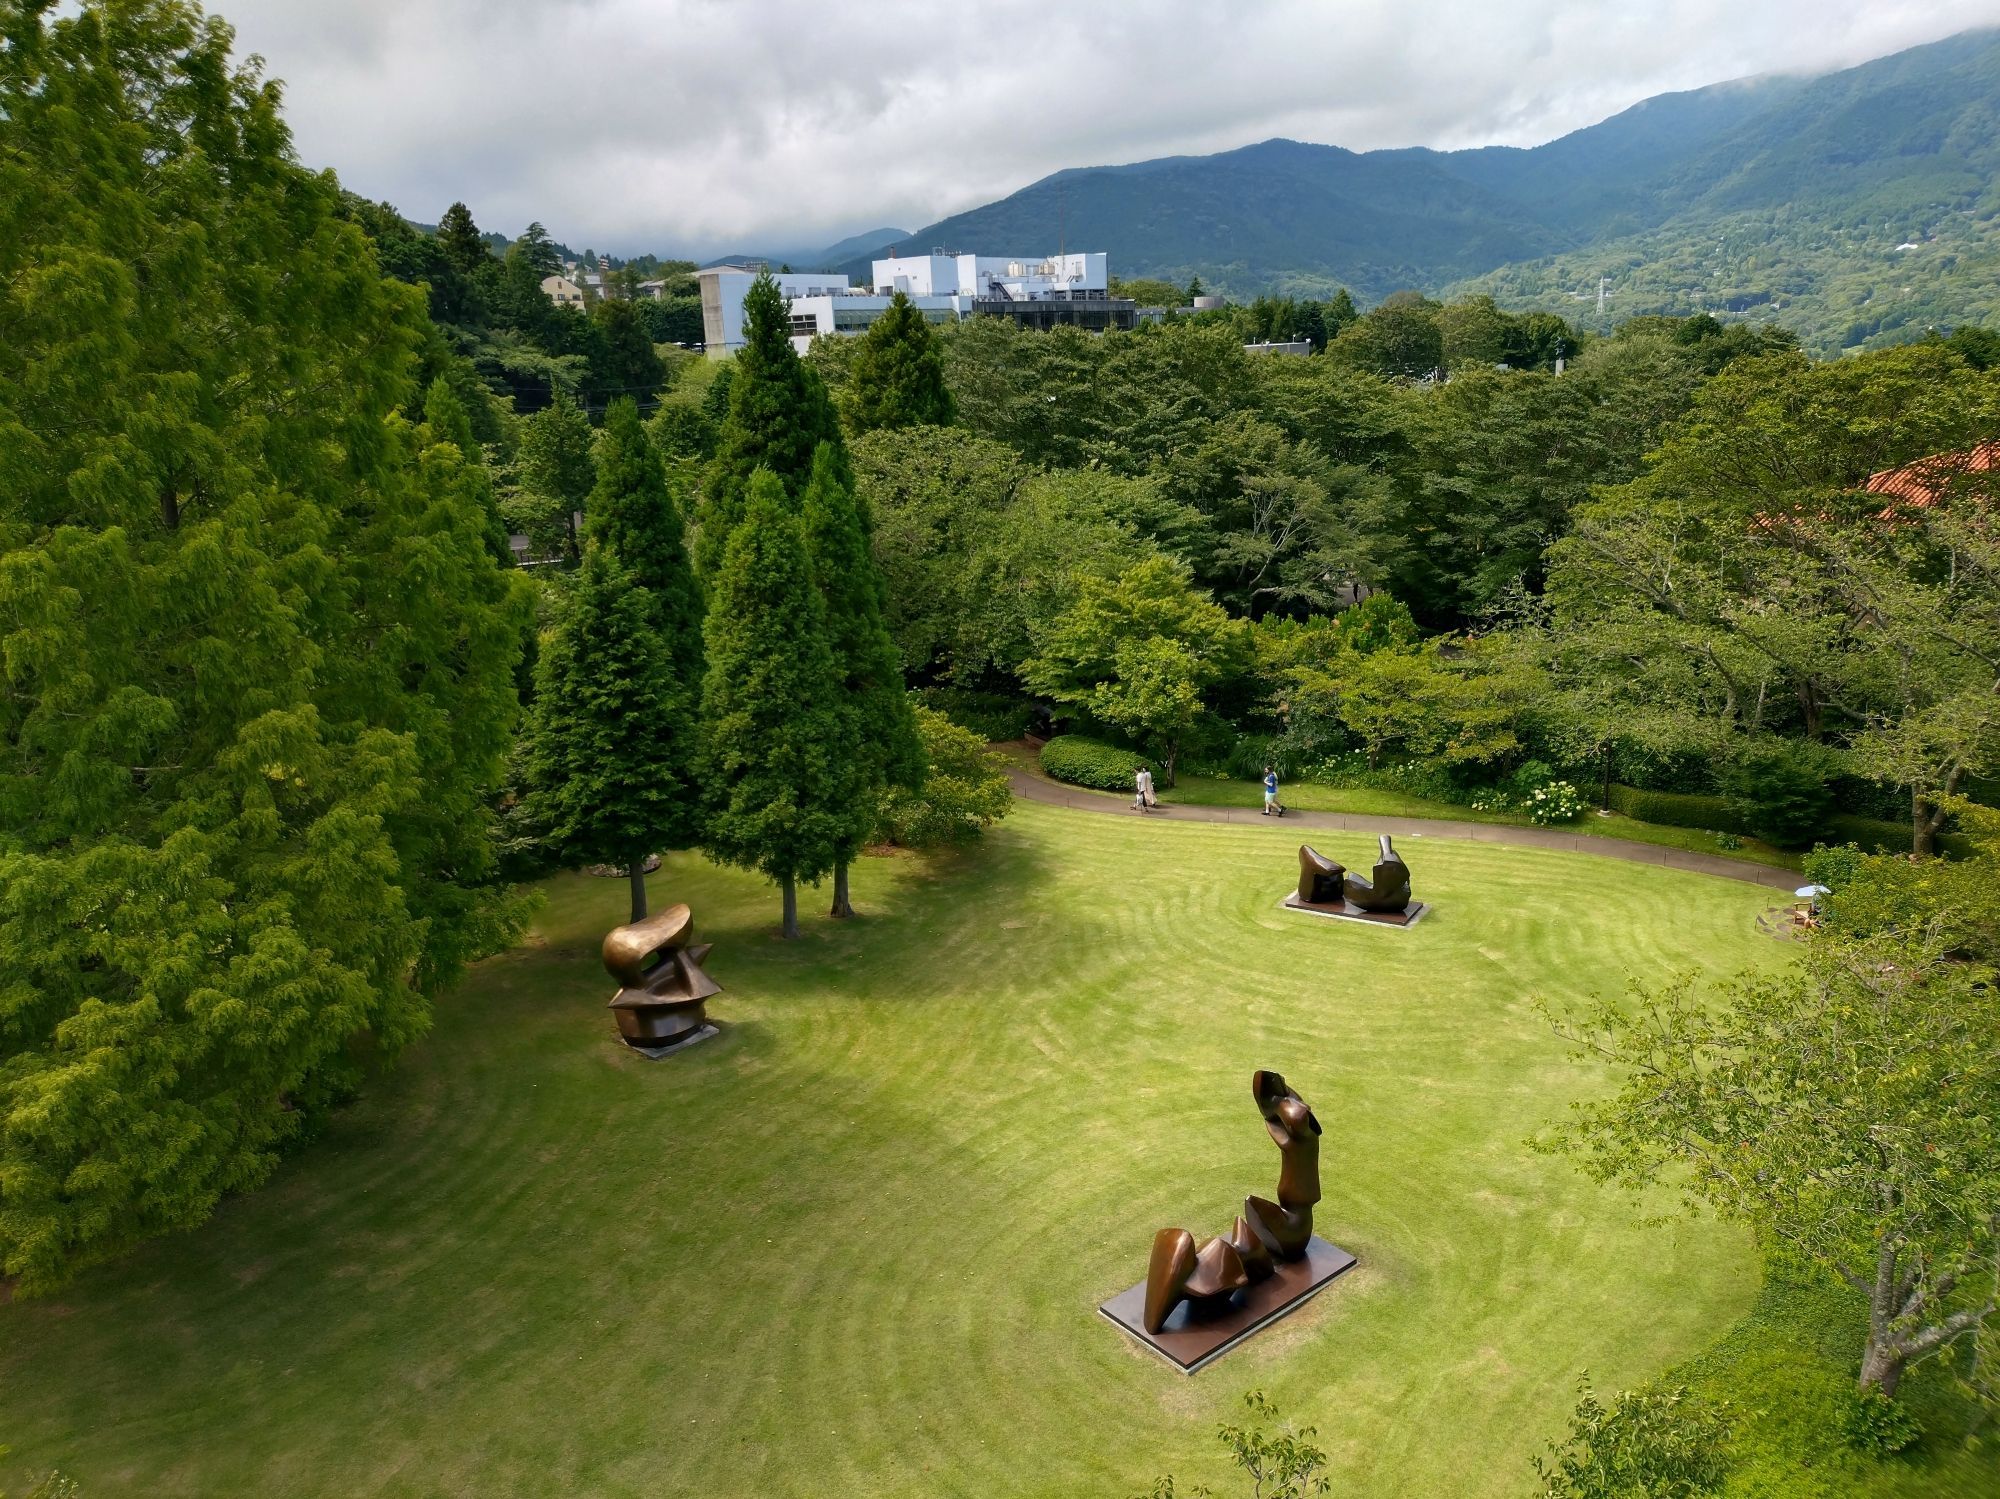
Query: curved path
(1033, 788)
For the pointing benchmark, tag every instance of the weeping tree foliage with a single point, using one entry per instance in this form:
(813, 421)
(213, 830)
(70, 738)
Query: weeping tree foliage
(896, 377)
(259, 660)
(776, 743)
(779, 414)
(614, 727)
(880, 728)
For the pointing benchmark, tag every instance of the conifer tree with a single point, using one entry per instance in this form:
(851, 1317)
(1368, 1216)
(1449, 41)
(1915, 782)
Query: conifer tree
(881, 730)
(633, 511)
(779, 412)
(259, 662)
(446, 420)
(459, 237)
(774, 738)
(614, 728)
(897, 377)
(557, 471)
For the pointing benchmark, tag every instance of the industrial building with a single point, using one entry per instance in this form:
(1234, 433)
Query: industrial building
(1058, 289)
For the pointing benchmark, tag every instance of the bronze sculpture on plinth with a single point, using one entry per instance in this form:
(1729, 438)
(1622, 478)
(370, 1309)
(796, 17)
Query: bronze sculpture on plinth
(660, 1003)
(1266, 1232)
(1196, 1304)
(1319, 877)
(1389, 890)
(1327, 889)
(1286, 1226)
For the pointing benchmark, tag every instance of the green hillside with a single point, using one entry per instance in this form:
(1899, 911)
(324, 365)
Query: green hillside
(1855, 208)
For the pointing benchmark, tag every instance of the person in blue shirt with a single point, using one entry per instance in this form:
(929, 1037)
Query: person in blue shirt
(1271, 792)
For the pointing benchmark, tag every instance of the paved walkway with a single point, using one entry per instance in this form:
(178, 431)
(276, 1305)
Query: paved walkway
(1031, 787)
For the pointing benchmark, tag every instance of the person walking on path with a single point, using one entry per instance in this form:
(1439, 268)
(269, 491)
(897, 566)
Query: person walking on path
(1142, 785)
(1271, 793)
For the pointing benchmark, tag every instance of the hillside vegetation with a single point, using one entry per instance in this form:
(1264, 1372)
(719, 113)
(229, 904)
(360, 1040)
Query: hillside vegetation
(1855, 208)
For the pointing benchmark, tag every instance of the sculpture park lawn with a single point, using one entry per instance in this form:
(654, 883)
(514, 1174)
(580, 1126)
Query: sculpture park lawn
(854, 1245)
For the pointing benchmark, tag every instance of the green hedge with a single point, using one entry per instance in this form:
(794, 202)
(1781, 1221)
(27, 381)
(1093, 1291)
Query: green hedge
(1089, 762)
(1678, 809)
(1877, 835)
(1715, 814)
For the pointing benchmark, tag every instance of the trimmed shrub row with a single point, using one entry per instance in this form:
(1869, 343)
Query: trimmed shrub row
(1678, 809)
(1715, 814)
(1089, 762)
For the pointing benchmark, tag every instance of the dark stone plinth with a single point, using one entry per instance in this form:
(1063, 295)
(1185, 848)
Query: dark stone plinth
(1190, 1339)
(1346, 910)
(685, 1041)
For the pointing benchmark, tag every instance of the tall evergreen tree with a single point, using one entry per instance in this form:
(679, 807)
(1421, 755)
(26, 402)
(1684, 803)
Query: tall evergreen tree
(557, 471)
(459, 237)
(538, 250)
(779, 412)
(885, 749)
(446, 420)
(628, 366)
(633, 512)
(613, 730)
(775, 741)
(897, 375)
(259, 663)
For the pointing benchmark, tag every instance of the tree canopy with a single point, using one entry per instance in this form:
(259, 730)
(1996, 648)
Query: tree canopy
(259, 657)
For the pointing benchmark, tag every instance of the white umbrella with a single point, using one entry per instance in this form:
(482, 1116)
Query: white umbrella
(1811, 892)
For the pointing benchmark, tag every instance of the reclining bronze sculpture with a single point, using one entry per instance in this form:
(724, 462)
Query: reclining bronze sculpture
(1265, 1233)
(662, 988)
(1389, 890)
(1319, 877)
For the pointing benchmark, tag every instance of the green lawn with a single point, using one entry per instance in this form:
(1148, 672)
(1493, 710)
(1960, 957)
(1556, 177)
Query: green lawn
(854, 1245)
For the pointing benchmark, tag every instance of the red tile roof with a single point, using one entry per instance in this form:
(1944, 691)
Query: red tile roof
(1922, 483)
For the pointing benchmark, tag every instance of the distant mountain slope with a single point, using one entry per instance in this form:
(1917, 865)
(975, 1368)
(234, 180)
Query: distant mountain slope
(1802, 180)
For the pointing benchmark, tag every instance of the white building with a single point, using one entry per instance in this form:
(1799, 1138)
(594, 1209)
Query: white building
(945, 288)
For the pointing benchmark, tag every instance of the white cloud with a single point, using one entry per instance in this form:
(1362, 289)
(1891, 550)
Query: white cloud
(706, 125)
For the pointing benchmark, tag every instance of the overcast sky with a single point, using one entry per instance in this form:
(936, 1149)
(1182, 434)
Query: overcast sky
(704, 126)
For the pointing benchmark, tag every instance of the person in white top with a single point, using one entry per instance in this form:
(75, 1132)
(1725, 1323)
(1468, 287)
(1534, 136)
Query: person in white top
(1142, 784)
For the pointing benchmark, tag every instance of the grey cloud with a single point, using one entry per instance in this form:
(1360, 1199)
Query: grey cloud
(702, 125)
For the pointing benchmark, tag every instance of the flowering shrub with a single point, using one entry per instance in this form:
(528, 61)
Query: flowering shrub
(1558, 801)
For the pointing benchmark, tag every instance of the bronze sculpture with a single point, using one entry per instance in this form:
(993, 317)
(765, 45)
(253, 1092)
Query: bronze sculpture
(1389, 890)
(1286, 1226)
(1267, 1232)
(660, 1003)
(1319, 877)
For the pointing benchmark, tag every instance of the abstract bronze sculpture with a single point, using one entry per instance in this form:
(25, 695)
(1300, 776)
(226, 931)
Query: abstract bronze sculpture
(1195, 1304)
(1319, 877)
(1286, 1226)
(662, 988)
(1389, 890)
(1327, 889)
(1268, 1231)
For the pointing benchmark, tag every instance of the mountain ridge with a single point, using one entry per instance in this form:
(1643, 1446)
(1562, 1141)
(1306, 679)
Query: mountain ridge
(1807, 162)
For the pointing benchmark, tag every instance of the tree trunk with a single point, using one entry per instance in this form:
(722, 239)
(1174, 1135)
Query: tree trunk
(842, 906)
(791, 888)
(636, 873)
(1604, 801)
(1173, 755)
(1923, 827)
(1881, 1368)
